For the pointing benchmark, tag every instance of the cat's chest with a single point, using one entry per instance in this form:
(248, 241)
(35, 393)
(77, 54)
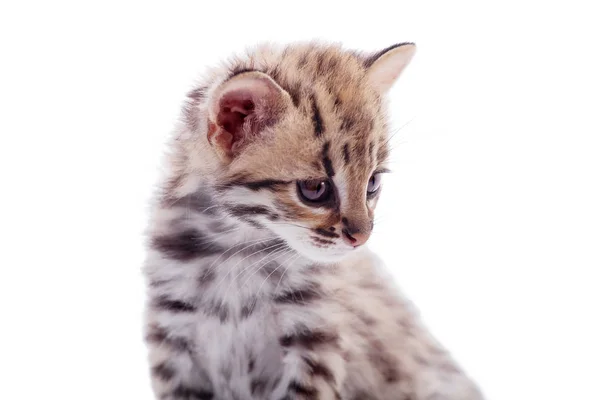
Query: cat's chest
(244, 315)
(242, 357)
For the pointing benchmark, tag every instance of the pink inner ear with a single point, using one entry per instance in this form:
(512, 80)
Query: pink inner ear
(234, 109)
(245, 107)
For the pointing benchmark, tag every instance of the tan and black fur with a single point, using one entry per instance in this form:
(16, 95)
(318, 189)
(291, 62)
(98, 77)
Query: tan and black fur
(256, 292)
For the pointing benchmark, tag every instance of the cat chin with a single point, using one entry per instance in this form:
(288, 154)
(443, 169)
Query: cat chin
(331, 258)
(322, 256)
(297, 240)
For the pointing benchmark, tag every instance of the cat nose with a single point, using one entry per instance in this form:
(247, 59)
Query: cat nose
(355, 238)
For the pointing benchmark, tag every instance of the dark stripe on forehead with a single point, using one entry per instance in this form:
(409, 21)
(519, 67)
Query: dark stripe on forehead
(359, 150)
(332, 64)
(337, 102)
(346, 152)
(371, 148)
(371, 124)
(293, 91)
(316, 118)
(320, 63)
(347, 123)
(327, 164)
(303, 60)
(275, 73)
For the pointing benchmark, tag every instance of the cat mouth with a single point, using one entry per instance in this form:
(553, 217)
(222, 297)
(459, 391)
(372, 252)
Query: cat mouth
(321, 243)
(331, 247)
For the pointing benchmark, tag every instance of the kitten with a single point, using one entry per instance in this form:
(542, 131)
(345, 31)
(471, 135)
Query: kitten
(259, 282)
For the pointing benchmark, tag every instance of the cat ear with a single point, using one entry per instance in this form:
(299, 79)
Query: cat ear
(384, 68)
(241, 108)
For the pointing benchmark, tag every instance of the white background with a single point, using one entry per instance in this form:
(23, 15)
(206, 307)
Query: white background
(491, 221)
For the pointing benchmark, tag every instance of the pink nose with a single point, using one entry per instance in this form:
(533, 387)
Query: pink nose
(355, 239)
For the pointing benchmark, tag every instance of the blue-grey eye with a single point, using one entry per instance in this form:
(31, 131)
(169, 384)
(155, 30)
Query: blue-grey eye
(374, 184)
(315, 191)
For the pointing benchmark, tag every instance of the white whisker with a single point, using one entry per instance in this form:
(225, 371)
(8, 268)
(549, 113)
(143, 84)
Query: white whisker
(252, 243)
(280, 253)
(260, 267)
(282, 275)
(293, 258)
(278, 246)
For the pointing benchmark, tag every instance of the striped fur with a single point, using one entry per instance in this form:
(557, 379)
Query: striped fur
(254, 293)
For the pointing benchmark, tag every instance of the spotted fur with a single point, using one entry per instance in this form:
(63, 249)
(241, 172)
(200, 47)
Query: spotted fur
(254, 293)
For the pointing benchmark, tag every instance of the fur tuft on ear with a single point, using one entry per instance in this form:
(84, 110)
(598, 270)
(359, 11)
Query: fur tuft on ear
(384, 67)
(241, 108)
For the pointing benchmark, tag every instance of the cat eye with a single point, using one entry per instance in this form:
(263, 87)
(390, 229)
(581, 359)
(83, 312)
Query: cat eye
(374, 184)
(315, 191)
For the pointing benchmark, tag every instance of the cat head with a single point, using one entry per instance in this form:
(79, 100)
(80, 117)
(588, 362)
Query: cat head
(298, 139)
